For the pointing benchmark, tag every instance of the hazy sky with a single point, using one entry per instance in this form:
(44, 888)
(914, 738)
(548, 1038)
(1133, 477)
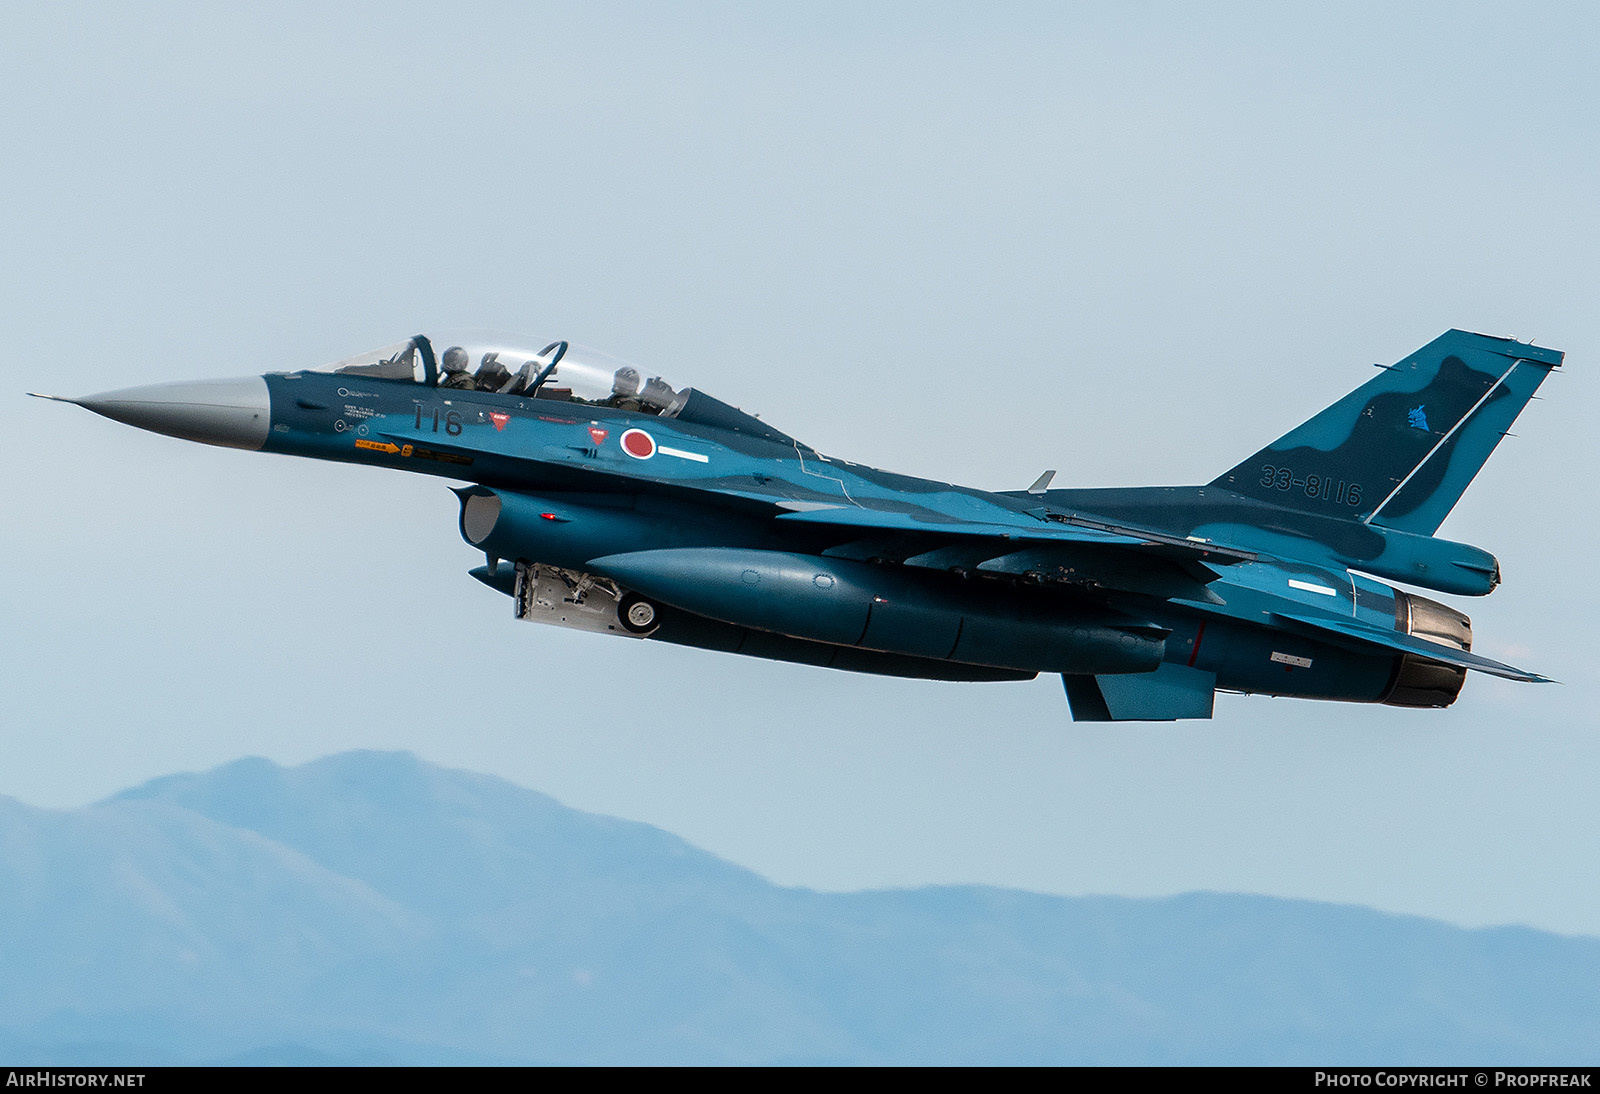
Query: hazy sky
(1131, 242)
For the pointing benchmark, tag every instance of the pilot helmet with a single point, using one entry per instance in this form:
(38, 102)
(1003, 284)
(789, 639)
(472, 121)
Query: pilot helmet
(455, 359)
(625, 382)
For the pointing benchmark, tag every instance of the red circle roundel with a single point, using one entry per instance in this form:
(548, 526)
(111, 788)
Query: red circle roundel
(638, 444)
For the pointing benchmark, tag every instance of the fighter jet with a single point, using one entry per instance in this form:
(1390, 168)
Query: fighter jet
(607, 499)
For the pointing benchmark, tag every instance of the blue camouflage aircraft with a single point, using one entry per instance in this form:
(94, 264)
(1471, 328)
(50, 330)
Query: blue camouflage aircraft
(608, 500)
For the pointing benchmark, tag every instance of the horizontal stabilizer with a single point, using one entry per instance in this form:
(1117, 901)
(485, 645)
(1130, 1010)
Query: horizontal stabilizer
(1170, 693)
(1359, 636)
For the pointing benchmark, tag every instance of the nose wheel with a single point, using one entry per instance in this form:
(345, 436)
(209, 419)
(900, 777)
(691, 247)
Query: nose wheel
(636, 614)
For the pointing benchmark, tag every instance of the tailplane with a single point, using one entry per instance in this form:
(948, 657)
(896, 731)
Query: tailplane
(1400, 450)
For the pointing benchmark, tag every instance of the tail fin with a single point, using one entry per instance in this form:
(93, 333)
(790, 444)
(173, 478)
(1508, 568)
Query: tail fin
(1400, 450)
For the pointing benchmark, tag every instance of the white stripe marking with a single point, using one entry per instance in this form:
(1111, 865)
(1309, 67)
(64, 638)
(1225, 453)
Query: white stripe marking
(1291, 660)
(1448, 434)
(681, 454)
(1293, 584)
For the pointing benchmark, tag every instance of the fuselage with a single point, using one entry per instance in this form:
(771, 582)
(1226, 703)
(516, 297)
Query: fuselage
(680, 484)
(610, 503)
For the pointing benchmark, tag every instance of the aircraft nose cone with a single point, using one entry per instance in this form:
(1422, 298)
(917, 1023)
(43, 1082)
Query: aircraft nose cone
(231, 413)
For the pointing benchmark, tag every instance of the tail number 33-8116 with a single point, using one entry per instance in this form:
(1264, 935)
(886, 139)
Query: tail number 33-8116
(1284, 478)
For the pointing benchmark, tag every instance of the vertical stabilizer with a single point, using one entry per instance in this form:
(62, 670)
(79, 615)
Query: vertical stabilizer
(1400, 450)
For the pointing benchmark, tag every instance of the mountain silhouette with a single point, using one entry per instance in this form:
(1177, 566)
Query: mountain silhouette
(373, 908)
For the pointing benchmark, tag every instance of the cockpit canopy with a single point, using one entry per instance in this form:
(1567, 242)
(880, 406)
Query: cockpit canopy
(507, 366)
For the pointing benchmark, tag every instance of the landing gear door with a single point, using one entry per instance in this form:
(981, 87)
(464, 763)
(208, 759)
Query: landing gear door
(567, 598)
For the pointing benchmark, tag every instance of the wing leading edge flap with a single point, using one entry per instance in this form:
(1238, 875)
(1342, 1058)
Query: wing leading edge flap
(1074, 529)
(1349, 633)
(1170, 693)
(889, 520)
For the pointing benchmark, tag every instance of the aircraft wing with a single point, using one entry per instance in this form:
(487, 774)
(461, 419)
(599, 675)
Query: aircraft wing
(1077, 550)
(1354, 635)
(1074, 529)
(1069, 547)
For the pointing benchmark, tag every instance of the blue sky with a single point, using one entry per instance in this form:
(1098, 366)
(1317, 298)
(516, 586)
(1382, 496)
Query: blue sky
(1131, 242)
